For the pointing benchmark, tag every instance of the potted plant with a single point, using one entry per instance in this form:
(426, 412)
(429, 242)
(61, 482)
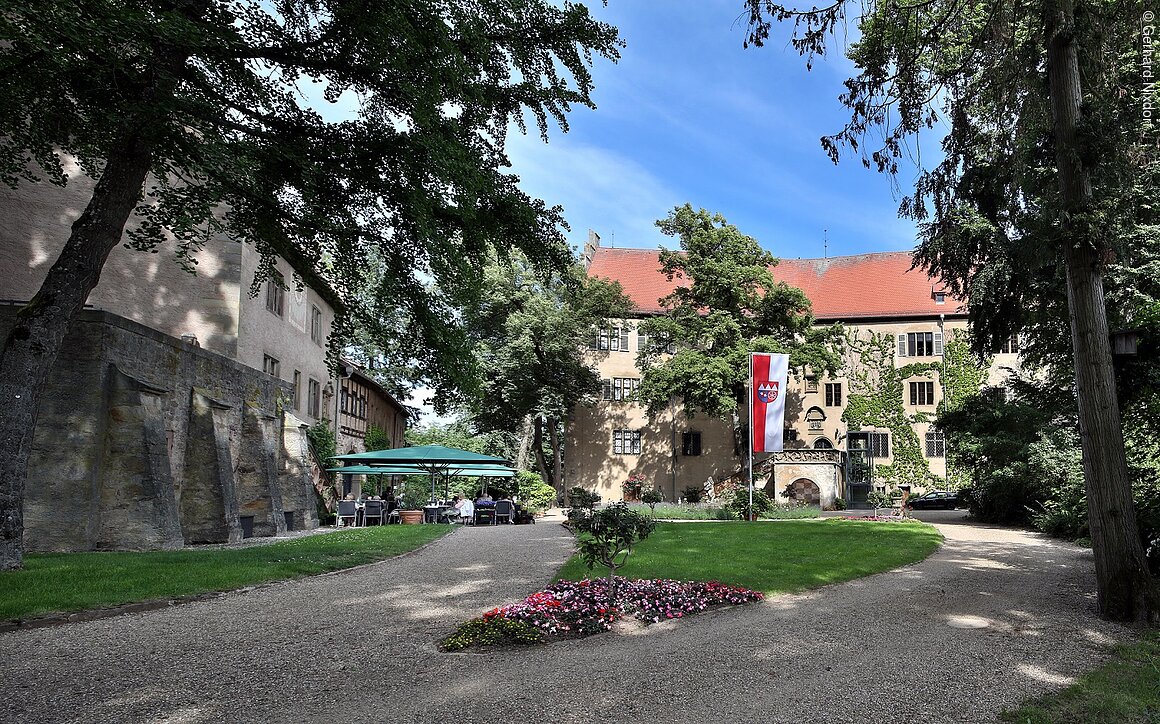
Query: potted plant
(632, 487)
(414, 494)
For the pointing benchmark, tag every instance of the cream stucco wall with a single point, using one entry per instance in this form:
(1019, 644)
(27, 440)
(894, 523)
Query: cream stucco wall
(150, 288)
(286, 338)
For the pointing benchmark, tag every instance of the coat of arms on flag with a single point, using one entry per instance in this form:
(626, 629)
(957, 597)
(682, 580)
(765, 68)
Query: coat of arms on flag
(767, 391)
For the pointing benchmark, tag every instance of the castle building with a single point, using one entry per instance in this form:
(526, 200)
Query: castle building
(869, 427)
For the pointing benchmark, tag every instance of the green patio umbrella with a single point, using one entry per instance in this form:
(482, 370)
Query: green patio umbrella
(433, 459)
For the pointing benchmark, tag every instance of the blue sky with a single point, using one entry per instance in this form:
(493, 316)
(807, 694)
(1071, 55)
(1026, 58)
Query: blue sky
(690, 115)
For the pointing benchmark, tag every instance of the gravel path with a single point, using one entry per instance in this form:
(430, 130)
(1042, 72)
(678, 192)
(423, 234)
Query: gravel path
(993, 617)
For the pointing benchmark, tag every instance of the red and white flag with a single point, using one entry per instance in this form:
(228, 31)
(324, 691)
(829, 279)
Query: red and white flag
(768, 386)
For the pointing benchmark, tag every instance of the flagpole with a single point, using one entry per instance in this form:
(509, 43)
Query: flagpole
(749, 442)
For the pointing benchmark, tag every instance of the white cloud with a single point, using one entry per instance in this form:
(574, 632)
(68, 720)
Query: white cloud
(598, 188)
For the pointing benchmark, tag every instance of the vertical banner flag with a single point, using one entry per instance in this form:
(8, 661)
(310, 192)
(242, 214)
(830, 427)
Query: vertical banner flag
(770, 377)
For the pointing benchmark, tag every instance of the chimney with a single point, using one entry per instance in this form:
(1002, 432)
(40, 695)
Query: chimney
(590, 248)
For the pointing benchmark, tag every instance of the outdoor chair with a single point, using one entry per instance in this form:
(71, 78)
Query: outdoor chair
(393, 515)
(347, 509)
(449, 515)
(373, 511)
(504, 509)
(467, 513)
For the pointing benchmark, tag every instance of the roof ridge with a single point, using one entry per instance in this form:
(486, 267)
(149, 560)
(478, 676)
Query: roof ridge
(779, 258)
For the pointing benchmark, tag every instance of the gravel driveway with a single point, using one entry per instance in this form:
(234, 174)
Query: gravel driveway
(994, 616)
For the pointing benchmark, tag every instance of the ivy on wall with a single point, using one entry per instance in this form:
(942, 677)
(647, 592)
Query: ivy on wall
(876, 399)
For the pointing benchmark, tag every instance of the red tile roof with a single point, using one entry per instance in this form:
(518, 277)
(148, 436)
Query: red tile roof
(841, 287)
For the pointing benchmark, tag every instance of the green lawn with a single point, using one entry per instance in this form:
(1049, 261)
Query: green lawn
(776, 557)
(1125, 690)
(59, 582)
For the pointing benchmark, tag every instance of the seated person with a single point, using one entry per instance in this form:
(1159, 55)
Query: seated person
(466, 509)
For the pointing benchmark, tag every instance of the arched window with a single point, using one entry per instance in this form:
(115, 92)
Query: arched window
(823, 444)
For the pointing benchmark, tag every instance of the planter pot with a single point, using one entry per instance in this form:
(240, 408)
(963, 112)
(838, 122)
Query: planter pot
(411, 517)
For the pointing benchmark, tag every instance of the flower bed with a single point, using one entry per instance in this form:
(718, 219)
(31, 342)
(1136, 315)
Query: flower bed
(582, 608)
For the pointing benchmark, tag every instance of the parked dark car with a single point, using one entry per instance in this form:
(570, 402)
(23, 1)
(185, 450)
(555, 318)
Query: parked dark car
(934, 500)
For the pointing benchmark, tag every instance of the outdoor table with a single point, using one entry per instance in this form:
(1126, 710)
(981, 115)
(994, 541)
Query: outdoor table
(431, 513)
(485, 515)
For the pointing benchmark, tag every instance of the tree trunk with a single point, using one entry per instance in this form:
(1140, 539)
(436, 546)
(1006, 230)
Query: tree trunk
(525, 442)
(1126, 591)
(31, 348)
(557, 456)
(541, 461)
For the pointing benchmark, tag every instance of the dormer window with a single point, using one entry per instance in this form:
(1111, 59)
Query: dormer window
(940, 297)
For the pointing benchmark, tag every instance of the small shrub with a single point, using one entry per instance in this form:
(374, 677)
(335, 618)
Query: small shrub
(693, 494)
(534, 492)
(608, 537)
(494, 631)
(839, 503)
(880, 500)
(651, 498)
(739, 503)
(583, 502)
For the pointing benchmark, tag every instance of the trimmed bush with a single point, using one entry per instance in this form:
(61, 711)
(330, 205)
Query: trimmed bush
(494, 631)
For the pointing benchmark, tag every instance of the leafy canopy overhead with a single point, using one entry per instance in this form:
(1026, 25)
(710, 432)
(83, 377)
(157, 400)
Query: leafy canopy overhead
(726, 305)
(403, 192)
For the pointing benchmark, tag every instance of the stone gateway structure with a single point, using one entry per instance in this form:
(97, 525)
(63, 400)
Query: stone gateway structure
(145, 441)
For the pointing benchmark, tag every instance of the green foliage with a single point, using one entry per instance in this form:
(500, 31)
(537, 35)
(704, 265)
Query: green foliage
(579, 497)
(529, 332)
(738, 503)
(223, 97)
(693, 493)
(376, 438)
(608, 536)
(1030, 206)
(322, 440)
(533, 492)
(582, 503)
(876, 400)
(731, 307)
(1025, 461)
(497, 631)
(459, 434)
(879, 499)
(651, 498)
